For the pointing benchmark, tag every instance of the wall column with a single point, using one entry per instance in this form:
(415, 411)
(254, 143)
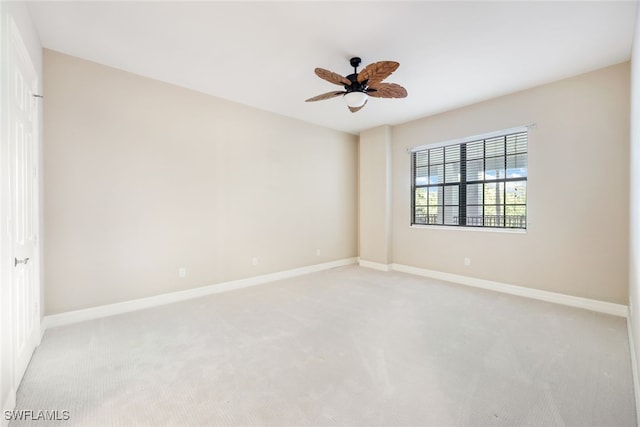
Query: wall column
(375, 198)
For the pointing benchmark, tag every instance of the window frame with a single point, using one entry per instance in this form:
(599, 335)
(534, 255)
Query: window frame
(517, 224)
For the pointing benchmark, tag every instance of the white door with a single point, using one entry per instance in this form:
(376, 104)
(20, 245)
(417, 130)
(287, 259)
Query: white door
(23, 155)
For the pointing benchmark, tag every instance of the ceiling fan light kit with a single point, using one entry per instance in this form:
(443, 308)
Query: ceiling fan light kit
(358, 87)
(355, 99)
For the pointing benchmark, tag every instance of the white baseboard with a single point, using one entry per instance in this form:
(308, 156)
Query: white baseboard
(572, 301)
(76, 316)
(634, 367)
(9, 404)
(374, 265)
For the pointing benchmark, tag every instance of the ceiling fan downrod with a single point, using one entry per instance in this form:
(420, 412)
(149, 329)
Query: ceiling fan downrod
(353, 78)
(355, 63)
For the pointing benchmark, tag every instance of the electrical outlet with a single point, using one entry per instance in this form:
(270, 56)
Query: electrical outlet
(254, 260)
(317, 252)
(182, 272)
(467, 262)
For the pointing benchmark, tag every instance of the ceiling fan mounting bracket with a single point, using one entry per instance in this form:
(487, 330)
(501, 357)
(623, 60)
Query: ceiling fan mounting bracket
(355, 62)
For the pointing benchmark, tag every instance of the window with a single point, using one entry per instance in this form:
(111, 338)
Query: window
(481, 182)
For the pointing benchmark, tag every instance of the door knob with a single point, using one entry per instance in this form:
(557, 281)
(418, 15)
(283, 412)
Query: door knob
(20, 261)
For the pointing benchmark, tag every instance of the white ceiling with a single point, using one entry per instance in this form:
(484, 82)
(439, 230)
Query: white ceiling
(263, 53)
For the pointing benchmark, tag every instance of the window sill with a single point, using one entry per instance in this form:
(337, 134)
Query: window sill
(480, 229)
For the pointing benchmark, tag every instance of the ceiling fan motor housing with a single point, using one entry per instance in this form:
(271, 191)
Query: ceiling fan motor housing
(355, 85)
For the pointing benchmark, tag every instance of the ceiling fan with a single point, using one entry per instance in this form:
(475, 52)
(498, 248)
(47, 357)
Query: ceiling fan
(360, 86)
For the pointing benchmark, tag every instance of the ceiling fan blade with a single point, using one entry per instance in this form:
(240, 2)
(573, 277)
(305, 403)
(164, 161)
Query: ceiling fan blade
(332, 77)
(377, 72)
(387, 90)
(354, 109)
(325, 96)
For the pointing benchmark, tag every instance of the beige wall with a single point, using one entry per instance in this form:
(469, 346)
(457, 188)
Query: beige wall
(375, 195)
(142, 178)
(577, 237)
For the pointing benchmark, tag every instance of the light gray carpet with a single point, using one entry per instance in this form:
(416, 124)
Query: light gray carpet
(349, 346)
